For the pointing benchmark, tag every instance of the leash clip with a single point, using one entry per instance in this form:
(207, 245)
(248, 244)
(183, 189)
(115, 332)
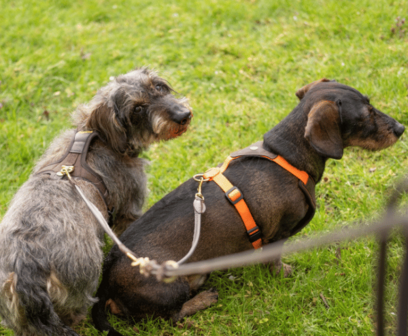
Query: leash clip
(65, 170)
(200, 178)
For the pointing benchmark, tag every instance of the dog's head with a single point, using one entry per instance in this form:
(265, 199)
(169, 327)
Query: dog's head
(339, 116)
(135, 110)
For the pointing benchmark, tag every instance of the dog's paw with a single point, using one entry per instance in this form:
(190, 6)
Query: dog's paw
(208, 297)
(287, 270)
(276, 268)
(199, 302)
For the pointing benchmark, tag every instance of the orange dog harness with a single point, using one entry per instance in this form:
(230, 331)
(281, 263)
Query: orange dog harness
(236, 198)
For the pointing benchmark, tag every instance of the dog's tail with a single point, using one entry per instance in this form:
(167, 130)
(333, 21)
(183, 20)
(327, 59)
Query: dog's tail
(30, 305)
(99, 315)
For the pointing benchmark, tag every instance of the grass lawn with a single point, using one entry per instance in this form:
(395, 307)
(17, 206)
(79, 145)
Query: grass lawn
(240, 63)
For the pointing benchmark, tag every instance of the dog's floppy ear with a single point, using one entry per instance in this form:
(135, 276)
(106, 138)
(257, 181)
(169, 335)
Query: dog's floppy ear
(323, 129)
(103, 120)
(302, 91)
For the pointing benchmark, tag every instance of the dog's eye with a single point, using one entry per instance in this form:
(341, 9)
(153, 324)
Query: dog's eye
(159, 88)
(139, 109)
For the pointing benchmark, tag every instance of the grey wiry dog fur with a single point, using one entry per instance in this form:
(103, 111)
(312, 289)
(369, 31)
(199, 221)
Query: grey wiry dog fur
(50, 243)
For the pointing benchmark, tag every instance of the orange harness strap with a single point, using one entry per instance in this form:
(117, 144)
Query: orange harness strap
(236, 198)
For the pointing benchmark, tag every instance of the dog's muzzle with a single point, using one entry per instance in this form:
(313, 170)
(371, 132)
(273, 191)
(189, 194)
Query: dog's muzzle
(180, 115)
(398, 129)
(182, 118)
(177, 131)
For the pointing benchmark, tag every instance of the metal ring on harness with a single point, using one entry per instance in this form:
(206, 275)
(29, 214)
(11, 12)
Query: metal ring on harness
(198, 177)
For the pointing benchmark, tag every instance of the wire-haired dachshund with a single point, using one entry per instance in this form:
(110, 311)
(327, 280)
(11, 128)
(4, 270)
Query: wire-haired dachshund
(50, 243)
(329, 117)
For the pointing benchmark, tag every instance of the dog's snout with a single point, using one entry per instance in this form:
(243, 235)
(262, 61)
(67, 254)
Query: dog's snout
(398, 129)
(181, 115)
(185, 120)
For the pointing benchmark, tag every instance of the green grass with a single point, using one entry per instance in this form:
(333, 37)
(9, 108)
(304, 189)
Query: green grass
(239, 63)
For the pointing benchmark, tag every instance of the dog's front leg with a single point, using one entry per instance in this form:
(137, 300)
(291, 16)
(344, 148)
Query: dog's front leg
(276, 266)
(199, 302)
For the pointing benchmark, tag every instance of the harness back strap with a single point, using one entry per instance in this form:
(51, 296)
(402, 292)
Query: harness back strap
(235, 196)
(76, 157)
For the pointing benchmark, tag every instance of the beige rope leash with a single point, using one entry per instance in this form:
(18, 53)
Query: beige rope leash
(199, 209)
(147, 266)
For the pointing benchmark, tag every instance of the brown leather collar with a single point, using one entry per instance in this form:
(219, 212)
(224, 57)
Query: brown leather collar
(76, 157)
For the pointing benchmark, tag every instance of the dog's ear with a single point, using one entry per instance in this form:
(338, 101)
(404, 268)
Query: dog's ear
(323, 129)
(302, 91)
(103, 120)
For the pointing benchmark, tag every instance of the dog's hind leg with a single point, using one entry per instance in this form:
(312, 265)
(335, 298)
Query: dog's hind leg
(30, 308)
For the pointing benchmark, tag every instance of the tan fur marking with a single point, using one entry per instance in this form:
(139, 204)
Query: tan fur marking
(372, 144)
(9, 288)
(113, 307)
(56, 289)
(302, 91)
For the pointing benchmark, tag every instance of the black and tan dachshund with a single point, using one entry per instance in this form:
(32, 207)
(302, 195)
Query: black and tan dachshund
(329, 117)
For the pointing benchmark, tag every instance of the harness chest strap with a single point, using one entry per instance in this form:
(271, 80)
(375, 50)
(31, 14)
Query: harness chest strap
(236, 198)
(76, 157)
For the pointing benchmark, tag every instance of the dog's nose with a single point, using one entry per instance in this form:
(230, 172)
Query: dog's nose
(181, 116)
(399, 129)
